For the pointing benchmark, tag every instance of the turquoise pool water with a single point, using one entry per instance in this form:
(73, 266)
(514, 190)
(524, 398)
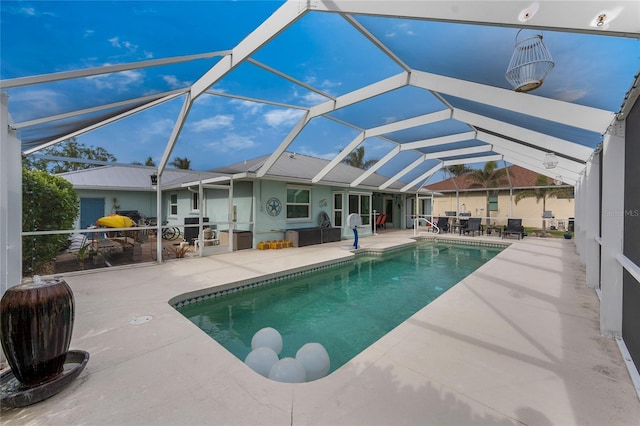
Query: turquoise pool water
(345, 308)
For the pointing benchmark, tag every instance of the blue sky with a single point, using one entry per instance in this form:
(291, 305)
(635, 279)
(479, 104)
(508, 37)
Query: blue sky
(322, 50)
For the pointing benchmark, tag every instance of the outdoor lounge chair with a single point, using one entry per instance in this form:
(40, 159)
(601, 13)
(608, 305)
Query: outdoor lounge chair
(443, 224)
(514, 227)
(473, 226)
(380, 221)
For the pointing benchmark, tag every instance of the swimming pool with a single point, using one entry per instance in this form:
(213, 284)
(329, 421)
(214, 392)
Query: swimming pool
(345, 308)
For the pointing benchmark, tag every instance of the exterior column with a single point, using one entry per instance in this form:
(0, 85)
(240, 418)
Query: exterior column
(10, 201)
(612, 233)
(591, 211)
(579, 218)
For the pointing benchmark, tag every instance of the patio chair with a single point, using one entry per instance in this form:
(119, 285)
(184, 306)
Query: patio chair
(443, 224)
(514, 227)
(473, 226)
(380, 221)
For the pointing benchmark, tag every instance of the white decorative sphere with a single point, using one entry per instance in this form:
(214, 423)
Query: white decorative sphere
(288, 370)
(315, 359)
(267, 337)
(261, 360)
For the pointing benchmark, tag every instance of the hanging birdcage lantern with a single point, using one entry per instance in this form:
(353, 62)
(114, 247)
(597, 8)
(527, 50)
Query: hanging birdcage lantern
(530, 63)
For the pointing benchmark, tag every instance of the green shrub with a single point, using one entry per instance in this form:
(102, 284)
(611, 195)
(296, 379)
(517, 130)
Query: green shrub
(48, 203)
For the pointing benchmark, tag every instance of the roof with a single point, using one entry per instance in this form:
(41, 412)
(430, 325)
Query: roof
(518, 176)
(130, 178)
(420, 85)
(302, 168)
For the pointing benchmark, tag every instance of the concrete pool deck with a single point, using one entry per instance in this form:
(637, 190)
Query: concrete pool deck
(516, 342)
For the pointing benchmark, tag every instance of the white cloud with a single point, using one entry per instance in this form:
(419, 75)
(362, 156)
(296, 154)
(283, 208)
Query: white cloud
(304, 150)
(174, 83)
(119, 81)
(570, 95)
(30, 11)
(215, 122)
(88, 33)
(282, 117)
(232, 142)
(313, 98)
(404, 28)
(247, 107)
(40, 102)
(161, 128)
(127, 45)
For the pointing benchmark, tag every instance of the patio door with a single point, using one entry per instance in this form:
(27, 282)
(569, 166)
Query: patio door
(91, 209)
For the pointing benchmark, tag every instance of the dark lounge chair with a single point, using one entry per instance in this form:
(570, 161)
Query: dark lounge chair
(473, 226)
(443, 224)
(514, 227)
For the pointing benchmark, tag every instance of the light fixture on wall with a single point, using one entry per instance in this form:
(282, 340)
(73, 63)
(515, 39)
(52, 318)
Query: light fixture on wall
(154, 179)
(558, 180)
(529, 65)
(550, 161)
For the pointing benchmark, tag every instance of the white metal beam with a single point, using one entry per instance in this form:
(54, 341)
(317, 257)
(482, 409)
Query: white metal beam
(402, 172)
(286, 14)
(338, 158)
(529, 154)
(175, 133)
(570, 149)
(583, 117)
(103, 123)
(472, 160)
(283, 145)
(442, 140)
(422, 178)
(457, 152)
(166, 96)
(563, 15)
(108, 69)
(371, 170)
(420, 120)
(567, 176)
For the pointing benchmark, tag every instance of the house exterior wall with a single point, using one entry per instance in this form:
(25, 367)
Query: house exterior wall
(142, 201)
(528, 209)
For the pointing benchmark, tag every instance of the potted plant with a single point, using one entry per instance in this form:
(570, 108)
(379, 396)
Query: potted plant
(567, 235)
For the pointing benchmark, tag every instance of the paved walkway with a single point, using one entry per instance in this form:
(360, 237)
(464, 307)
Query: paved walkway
(516, 342)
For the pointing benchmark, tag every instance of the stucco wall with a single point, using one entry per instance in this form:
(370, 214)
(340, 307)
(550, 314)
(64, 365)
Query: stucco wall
(527, 209)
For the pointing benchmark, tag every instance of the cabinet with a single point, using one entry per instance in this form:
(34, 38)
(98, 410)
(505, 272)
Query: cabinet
(241, 239)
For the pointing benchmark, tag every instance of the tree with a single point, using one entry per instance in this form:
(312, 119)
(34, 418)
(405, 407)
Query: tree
(148, 162)
(356, 159)
(70, 149)
(543, 194)
(459, 169)
(180, 163)
(49, 203)
(488, 177)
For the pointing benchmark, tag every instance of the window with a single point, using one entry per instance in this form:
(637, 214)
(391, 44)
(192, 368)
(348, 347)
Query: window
(298, 203)
(361, 204)
(173, 204)
(194, 201)
(493, 203)
(337, 209)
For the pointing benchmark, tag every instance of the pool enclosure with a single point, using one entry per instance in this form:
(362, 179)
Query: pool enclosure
(419, 84)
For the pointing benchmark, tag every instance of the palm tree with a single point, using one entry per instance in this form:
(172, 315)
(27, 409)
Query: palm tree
(459, 169)
(488, 177)
(543, 194)
(356, 159)
(149, 162)
(181, 163)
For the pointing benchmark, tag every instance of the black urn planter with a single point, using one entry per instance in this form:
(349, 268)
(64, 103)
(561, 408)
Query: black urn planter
(36, 325)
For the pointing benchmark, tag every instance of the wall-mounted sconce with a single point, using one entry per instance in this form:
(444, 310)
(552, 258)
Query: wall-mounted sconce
(154, 179)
